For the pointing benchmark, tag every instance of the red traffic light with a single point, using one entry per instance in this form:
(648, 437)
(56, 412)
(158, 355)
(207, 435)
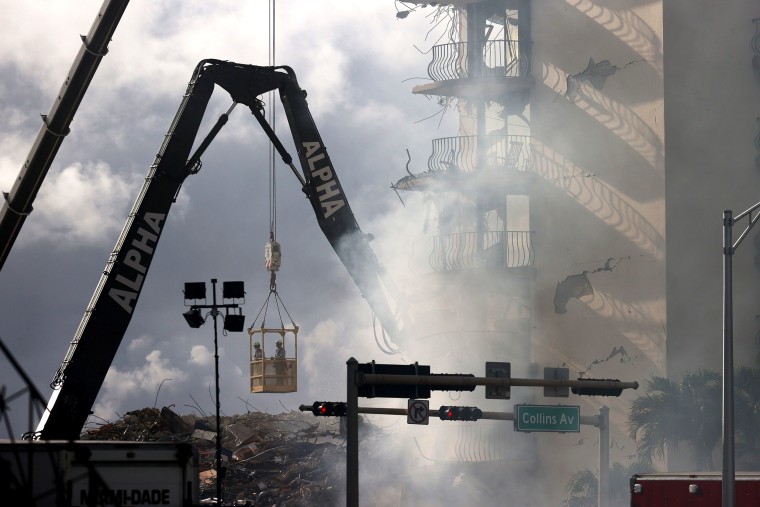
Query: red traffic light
(447, 413)
(329, 408)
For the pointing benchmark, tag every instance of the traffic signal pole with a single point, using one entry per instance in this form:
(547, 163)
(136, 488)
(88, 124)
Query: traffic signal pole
(454, 380)
(603, 491)
(355, 379)
(352, 434)
(590, 420)
(601, 421)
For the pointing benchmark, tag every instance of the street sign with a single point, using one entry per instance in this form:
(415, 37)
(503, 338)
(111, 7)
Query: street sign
(556, 374)
(547, 418)
(498, 370)
(417, 412)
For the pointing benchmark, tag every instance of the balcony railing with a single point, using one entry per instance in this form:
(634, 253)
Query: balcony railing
(503, 249)
(461, 153)
(500, 58)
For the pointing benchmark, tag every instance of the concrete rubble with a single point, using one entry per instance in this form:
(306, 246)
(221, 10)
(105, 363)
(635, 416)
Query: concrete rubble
(288, 459)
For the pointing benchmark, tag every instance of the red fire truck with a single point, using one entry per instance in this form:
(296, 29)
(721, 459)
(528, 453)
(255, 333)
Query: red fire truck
(702, 489)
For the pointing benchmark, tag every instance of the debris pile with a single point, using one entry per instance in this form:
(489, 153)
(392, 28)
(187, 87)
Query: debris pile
(286, 459)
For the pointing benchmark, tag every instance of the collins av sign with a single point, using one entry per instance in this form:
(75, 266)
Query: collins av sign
(558, 418)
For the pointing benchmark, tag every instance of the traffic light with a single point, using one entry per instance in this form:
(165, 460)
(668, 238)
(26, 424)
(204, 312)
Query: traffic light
(597, 391)
(394, 390)
(452, 387)
(329, 408)
(448, 413)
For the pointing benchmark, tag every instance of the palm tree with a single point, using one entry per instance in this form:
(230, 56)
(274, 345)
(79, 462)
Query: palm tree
(747, 418)
(582, 489)
(671, 413)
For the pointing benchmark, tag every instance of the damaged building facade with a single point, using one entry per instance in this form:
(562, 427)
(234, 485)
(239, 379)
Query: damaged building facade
(574, 217)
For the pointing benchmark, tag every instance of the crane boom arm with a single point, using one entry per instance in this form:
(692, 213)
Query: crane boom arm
(17, 204)
(110, 310)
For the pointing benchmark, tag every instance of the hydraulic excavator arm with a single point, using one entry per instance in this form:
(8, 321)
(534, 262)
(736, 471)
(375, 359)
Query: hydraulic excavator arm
(108, 314)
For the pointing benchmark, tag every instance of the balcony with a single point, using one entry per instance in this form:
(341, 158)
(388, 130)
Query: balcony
(503, 70)
(454, 165)
(461, 153)
(502, 249)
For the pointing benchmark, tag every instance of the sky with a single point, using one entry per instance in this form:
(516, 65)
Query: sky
(358, 66)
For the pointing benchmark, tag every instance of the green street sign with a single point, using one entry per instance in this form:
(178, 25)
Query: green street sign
(557, 418)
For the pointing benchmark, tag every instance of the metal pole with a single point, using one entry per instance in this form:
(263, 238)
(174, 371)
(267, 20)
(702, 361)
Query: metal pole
(218, 419)
(604, 456)
(451, 380)
(590, 420)
(352, 434)
(728, 486)
(17, 204)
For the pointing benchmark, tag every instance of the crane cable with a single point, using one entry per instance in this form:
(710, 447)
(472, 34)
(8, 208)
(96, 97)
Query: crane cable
(273, 248)
(272, 174)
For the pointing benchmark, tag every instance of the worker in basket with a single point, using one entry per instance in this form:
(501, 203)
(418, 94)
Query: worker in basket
(258, 354)
(279, 365)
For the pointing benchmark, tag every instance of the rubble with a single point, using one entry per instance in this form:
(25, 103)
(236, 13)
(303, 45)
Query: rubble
(288, 459)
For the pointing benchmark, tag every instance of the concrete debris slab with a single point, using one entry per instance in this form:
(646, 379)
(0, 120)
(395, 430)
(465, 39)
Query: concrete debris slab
(204, 435)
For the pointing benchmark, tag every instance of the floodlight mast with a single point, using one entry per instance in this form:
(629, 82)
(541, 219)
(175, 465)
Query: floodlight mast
(231, 290)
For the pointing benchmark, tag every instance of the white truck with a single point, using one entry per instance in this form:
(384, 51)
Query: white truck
(35, 473)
